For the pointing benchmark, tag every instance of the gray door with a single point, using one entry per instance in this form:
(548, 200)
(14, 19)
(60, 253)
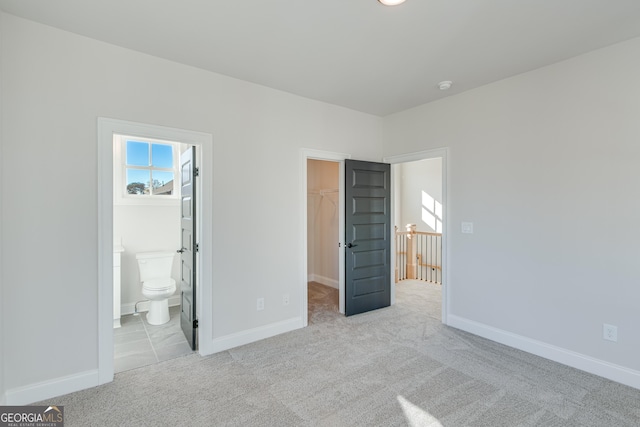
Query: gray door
(367, 236)
(188, 320)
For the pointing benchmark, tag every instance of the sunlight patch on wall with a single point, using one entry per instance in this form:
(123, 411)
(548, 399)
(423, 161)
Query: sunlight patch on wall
(428, 218)
(431, 212)
(438, 211)
(416, 416)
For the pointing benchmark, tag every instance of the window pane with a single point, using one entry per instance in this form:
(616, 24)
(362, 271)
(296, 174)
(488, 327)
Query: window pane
(162, 156)
(162, 183)
(137, 181)
(137, 153)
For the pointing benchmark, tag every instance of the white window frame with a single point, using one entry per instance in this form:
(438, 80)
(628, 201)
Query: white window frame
(120, 195)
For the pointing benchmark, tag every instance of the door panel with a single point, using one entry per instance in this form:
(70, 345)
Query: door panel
(364, 232)
(368, 259)
(188, 320)
(368, 205)
(367, 236)
(368, 286)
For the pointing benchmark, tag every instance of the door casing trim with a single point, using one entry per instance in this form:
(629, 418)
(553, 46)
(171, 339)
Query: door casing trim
(204, 143)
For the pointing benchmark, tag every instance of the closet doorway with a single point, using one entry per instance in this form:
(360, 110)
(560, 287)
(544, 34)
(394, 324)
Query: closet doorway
(323, 240)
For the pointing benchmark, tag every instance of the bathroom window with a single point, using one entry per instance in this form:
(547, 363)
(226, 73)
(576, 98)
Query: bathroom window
(146, 171)
(149, 168)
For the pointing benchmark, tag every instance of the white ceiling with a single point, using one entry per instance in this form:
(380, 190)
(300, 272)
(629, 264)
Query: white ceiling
(354, 53)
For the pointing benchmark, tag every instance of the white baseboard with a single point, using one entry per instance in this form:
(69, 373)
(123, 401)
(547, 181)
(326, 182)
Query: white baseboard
(256, 334)
(576, 360)
(129, 308)
(50, 389)
(311, 277)
(325, 281)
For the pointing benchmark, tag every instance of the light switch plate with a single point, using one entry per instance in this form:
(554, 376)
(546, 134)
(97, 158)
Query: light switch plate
(467, 227)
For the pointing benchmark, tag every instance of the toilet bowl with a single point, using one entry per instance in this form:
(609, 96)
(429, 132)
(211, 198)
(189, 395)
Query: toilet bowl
(157, 284)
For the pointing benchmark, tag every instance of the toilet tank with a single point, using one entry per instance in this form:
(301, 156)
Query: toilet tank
(154, 265)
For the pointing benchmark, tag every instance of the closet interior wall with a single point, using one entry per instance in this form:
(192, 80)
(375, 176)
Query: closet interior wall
(322, 222)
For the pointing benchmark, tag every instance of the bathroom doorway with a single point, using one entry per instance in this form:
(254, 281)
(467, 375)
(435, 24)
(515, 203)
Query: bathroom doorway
(203, 271)
(147, 217)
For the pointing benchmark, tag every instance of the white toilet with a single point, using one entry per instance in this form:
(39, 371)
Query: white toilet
(157, 284)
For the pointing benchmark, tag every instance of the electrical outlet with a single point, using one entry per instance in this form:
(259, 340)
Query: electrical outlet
(467, 227)
(260, 304)
(285, 299)
(610, 332)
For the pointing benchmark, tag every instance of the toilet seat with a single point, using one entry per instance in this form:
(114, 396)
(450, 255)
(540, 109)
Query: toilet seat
(162, 284)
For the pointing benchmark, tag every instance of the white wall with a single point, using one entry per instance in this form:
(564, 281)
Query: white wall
(322, 222)
(416, 178)
(545, 164)
(57, 84)
(144, 229)
(2, 223)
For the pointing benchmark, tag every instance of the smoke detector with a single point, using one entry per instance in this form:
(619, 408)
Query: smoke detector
(445, 85)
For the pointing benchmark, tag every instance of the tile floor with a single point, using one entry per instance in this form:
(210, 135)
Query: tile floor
(139, 344)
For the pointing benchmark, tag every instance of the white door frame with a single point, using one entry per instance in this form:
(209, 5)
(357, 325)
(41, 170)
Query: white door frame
(204, 143)
(307, 154)
(412, 157)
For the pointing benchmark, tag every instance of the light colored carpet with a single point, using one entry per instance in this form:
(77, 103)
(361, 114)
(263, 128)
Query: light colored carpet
(398, 366)
(323, 303)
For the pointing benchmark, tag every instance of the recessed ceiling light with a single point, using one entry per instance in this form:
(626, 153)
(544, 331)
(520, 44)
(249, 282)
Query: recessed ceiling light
(391, 2)
(445, 85)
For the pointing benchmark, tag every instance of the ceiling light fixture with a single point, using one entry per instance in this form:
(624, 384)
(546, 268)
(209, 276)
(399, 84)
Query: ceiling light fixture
(391, 2)
(445, 85)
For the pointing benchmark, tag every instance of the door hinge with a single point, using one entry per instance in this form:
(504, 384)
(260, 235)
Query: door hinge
(196, 171)
(197, 247)
(195, 324)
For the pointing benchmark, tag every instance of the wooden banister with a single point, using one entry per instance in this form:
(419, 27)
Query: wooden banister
(418, 255)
